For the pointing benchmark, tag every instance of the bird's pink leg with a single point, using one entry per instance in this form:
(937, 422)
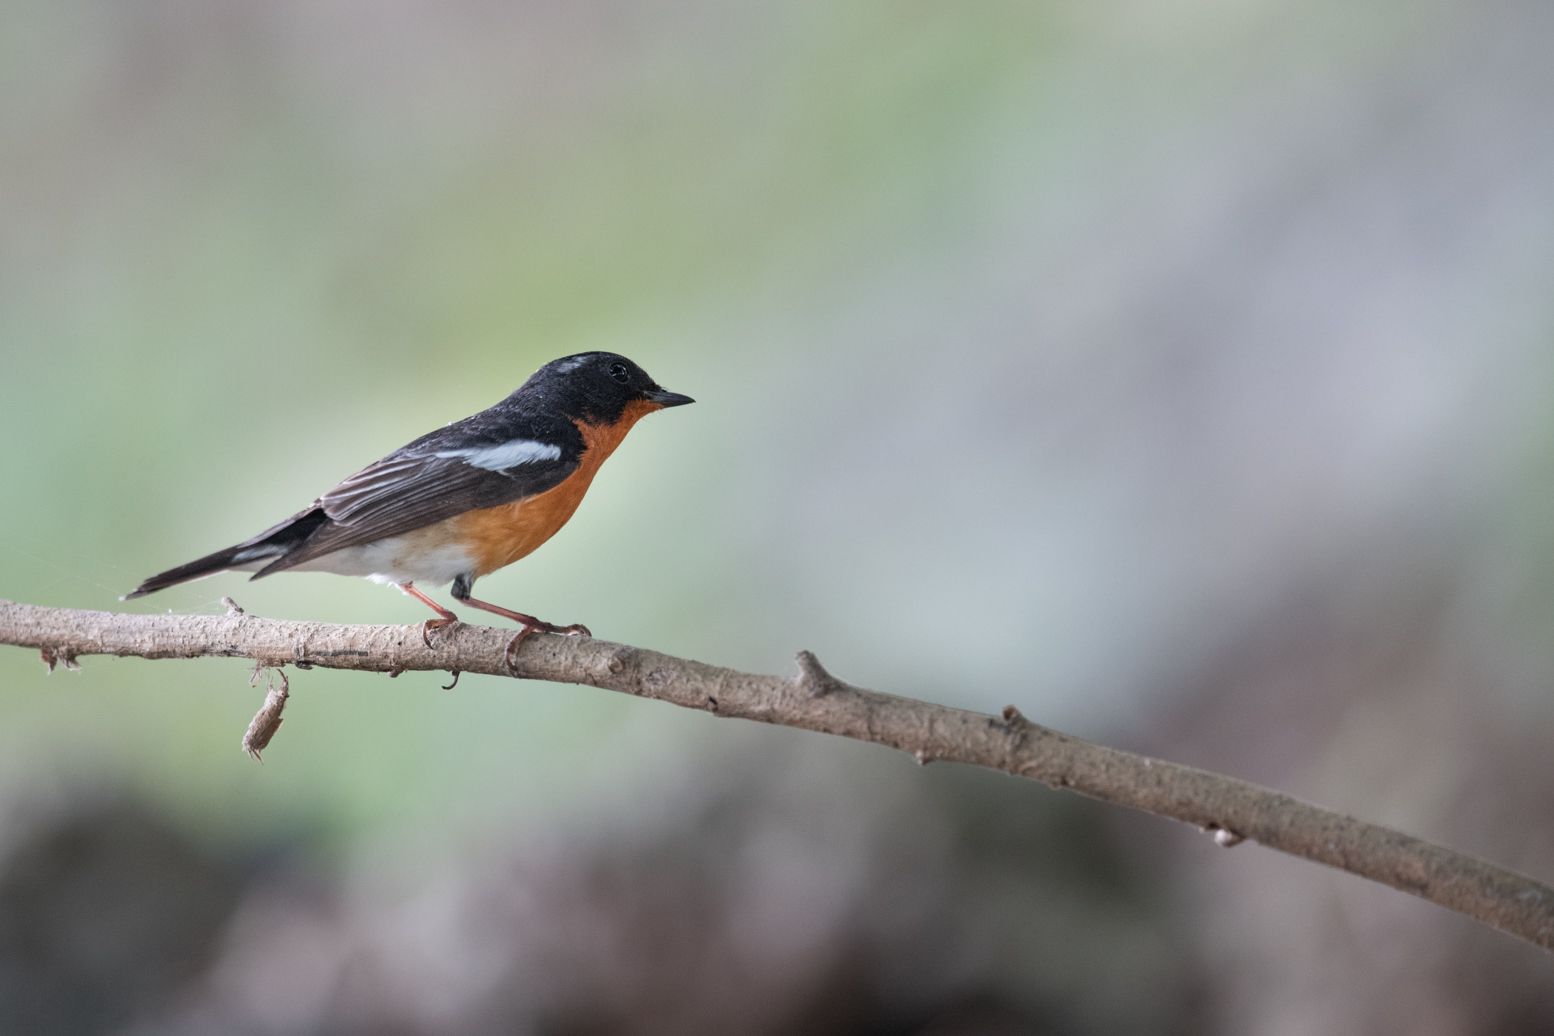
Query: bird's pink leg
(444, 616)
(530, 625)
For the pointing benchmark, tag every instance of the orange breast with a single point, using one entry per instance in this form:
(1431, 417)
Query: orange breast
(498, 536)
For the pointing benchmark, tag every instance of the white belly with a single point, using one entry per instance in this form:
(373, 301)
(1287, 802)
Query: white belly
(396, 560)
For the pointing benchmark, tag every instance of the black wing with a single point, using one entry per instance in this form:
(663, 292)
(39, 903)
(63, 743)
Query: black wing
(482, 461)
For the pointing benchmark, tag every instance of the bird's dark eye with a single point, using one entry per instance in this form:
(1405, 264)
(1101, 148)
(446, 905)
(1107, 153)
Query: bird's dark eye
(619, 372)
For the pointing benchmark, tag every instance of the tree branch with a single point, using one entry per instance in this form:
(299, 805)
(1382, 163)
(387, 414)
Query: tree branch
(1233, 810)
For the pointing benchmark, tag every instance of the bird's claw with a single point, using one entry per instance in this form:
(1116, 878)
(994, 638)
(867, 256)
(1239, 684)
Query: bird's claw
(510, 655)
(430, 626)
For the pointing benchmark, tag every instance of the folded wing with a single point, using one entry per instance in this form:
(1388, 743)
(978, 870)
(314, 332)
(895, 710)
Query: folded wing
(422, 485)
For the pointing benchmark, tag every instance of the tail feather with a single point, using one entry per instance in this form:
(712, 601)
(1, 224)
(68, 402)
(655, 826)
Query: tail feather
(274, 542)
(210, 564)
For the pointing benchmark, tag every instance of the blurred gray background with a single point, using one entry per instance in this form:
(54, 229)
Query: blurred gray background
(1180, 373)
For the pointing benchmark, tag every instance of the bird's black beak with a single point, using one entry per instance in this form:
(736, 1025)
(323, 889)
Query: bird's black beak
(663, 397)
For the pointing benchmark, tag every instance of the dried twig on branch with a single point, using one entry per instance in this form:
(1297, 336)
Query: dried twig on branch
(1231, 809)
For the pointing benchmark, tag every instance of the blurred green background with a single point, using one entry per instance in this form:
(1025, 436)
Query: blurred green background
(1180, 373)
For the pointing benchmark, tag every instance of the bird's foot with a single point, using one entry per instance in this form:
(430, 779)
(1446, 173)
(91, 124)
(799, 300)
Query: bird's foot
(431, 626)
(510, 656)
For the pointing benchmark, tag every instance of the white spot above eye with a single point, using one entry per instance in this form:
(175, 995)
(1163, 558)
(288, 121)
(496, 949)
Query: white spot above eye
(504, 455)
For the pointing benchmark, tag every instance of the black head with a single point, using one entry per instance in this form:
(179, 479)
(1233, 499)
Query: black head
(599, 387)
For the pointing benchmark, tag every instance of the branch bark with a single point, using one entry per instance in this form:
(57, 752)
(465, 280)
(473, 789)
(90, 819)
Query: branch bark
(1231, 809)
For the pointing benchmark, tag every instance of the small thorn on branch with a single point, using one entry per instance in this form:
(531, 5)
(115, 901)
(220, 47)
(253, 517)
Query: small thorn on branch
(1014, 718)
(232, 607)
(268, 719)
(814, 678)
(451, 684)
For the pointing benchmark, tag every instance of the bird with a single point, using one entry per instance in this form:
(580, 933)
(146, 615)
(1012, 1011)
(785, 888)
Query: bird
(465, 500)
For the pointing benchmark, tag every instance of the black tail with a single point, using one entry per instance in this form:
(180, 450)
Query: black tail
(205, 566)
(268, 545)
